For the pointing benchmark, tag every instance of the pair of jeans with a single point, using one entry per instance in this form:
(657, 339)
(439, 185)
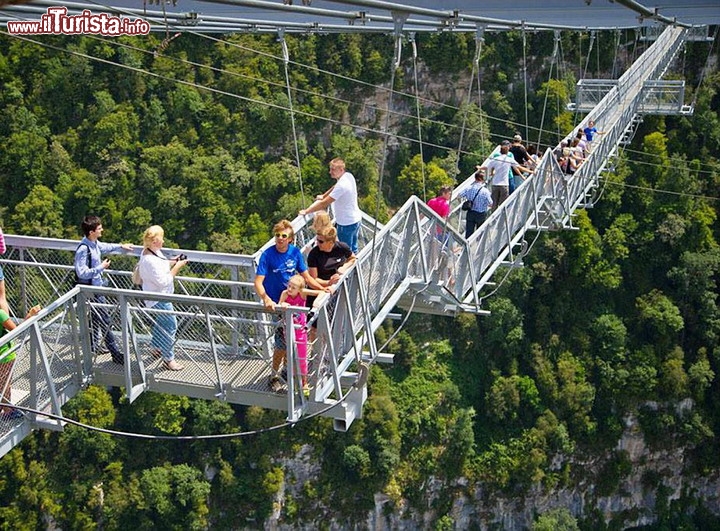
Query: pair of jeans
(473, 220)
(349, 234)
(100, 328)
(164, 329)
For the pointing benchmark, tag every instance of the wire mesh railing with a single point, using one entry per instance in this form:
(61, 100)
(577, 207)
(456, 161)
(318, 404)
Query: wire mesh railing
(225, 348)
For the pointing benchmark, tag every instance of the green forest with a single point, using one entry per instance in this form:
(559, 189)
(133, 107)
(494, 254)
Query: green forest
(616, 319)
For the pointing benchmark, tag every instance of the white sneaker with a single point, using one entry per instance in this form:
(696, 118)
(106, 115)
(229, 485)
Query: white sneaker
(173, 365)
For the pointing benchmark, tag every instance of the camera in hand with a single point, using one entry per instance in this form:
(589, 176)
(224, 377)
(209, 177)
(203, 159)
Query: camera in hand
(181, 257)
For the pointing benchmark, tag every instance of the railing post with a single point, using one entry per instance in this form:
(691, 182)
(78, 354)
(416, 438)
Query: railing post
(83, 313)
(423, 258)
(24, 304)
(213, 348)
(39, 364)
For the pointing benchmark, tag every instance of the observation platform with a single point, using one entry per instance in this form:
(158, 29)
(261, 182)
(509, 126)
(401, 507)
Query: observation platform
(416, 261)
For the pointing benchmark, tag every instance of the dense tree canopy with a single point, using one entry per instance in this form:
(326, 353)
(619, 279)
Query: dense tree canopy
(618, 318)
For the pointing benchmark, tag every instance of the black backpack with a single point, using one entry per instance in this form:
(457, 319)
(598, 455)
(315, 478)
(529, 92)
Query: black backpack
(78, 280)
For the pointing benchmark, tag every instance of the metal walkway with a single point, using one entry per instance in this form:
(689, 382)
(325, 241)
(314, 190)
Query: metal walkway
(225, 336)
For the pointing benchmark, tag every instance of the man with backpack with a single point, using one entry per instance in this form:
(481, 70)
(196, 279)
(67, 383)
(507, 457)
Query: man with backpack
(89, 269)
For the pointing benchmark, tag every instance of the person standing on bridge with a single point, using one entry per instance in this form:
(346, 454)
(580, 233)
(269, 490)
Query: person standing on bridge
(89, 269)
(344, 198)
(590, 132)
(276, 266)
(327, 262)
(321, 219)
(479, 195)
(158, 275)
(297, 295)
(522, 157)
(498, 169)
(441, 203)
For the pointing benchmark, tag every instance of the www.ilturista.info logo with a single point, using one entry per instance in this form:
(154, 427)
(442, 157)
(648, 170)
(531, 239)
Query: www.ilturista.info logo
(57, 22)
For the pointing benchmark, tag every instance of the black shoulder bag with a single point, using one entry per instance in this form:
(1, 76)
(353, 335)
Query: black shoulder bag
(468, 203)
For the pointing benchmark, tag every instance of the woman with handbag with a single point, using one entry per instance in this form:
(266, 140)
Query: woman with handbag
(158, 275)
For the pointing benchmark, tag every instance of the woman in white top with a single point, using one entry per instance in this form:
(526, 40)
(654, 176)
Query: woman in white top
(158, 275)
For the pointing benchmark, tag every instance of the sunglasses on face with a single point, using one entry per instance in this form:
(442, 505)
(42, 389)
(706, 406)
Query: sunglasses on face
(282, 235)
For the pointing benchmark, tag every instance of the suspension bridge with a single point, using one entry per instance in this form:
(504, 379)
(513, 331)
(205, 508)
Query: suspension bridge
(225, 336)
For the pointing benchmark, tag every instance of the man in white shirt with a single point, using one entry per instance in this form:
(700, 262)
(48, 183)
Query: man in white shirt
(498, 169)
(343, 197)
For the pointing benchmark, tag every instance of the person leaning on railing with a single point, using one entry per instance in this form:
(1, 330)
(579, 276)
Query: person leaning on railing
(327, 262)
(158, 276)
(276, 266)
(89, 269)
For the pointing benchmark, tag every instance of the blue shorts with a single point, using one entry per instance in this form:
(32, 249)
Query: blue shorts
(2, 275)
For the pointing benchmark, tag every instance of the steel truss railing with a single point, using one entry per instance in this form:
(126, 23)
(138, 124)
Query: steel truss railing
(417, 261)
(225, 346)
(547, 199)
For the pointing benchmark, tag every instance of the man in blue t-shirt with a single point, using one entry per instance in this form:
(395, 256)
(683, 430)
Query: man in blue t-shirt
(277, 264)
(590, 132)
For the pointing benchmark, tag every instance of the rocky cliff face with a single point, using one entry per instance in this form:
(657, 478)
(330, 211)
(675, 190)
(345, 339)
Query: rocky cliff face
(654, 478)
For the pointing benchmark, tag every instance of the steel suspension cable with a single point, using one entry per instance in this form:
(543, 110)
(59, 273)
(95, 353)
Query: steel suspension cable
(589, 53)
(479, 39)
(399, 20)
(233, 435)
(417, 112)
(245, 98)
(547, 86)
(705, 68)
(480, 106)
(587, 63)
(633, 54)
(286, 60)
(562, 74)
(219, 91)
(615, 58)
(525, 83)
(226, 93)
(476, 65)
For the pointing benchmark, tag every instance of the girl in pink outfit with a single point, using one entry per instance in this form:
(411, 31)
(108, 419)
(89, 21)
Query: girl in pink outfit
(296, 295)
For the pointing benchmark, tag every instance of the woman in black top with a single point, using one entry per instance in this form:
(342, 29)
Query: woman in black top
(327, 261)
